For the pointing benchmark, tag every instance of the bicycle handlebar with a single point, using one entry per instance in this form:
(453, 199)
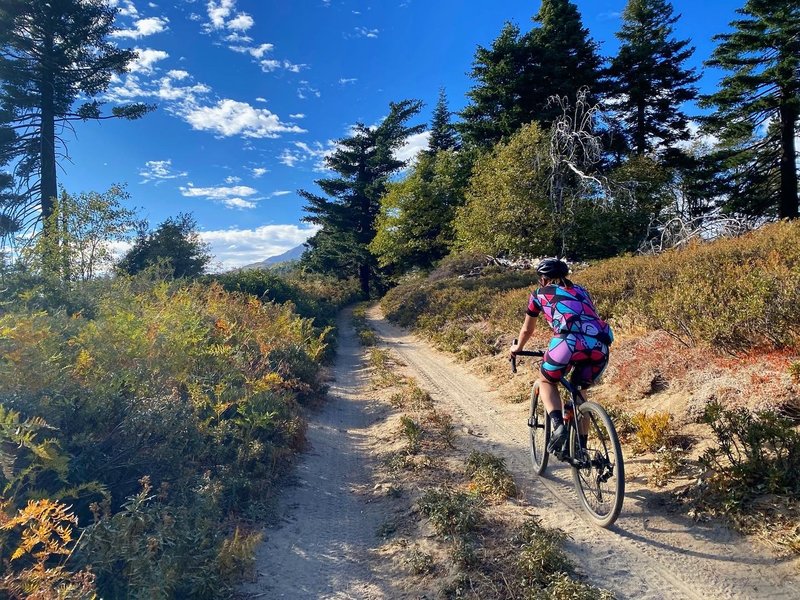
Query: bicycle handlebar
(513, 359)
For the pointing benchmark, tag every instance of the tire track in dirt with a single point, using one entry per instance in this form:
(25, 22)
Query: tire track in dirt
(324, 545)
(650, 553)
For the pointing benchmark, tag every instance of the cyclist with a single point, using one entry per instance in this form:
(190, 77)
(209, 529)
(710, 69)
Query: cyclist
(580, 341)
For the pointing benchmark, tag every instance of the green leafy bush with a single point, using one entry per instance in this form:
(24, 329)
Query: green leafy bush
(756, 454)
(451, 512)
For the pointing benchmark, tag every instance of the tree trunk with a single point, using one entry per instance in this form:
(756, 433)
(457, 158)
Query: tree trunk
(47, 151)
(787, 208)
(363, 277)
(640, 134)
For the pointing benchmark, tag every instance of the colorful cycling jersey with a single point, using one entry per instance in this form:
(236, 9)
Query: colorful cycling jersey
(569, 310)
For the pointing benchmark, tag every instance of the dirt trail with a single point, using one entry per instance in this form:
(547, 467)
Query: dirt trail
(323, 547)
(326, 544)
(650, 552)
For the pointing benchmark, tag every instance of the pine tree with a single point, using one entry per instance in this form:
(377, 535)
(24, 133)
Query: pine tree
(443, 133)
(520, 72)
(495, 110)
(364, 162)
(758, 105)
(567, 60)
(53, 53)
(649, 78)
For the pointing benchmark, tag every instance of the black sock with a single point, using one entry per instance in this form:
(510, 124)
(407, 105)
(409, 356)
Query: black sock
(584, 439)
(556, 418)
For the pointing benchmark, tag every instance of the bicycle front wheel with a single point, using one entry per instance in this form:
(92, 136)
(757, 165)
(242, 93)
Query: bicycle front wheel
(598, 470)
(539, 430)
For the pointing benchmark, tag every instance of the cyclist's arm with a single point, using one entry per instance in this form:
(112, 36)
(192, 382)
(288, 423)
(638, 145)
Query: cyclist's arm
(528, 327)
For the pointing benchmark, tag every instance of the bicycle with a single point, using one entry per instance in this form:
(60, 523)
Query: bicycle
(598, 470)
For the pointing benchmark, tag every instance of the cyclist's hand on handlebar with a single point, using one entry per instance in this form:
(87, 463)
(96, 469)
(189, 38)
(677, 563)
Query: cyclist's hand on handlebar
(512, 352)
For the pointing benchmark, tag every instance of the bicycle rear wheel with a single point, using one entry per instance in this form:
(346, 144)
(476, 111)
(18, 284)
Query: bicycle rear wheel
(598, 471)
(539, 430)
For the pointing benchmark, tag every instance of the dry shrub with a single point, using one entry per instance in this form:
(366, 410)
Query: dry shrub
(490, 476)
(412, 431)
(652, 431)
(185, 383)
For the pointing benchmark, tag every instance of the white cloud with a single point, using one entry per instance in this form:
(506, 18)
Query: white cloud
(238, 247)
(230, 179)
(270, 65)
(145, 60)
(242, 22)
(177, 74)
(218, 12)
(223, 15)
(217, 193)
(303, 152)
(229, 118)
(367, 33)
(280, 193)
(305, 90)
(413, 146)
(346, 80)
(159, 170)
(254, 51)
(297, 116)
(239, 203)
(126, 8)
(143, 28)
(258, 172)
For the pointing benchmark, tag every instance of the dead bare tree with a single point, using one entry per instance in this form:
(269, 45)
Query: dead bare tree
(575, 150)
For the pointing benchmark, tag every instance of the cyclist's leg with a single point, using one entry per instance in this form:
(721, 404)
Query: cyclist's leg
(591, 361)
(555, 364)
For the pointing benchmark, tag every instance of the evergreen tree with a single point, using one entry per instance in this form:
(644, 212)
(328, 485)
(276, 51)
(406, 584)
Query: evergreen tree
(758, 105)
(364, 162)
(495, 110)
(175, 243)
(53, 53)
(567, 59)
(443, 133)
(519, 73)
(649, 78)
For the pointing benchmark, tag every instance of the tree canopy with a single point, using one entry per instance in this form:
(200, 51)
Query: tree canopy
(346, 214)
(757, 106)
(55, 60)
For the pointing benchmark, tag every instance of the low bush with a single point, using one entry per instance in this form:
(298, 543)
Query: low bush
(451, 512)
(756, 454)
(490, 476)
(412, 431)
(757, 274)
(652, 431)
(317, 297)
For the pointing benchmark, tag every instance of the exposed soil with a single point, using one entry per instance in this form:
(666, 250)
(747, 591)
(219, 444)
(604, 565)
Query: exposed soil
(327, 543)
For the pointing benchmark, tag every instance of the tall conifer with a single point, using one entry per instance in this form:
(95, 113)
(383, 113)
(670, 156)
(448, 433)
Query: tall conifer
(567, 59)
(758, 105)
(346, 214)
(53, 54)
(443, 133)
(649, 79)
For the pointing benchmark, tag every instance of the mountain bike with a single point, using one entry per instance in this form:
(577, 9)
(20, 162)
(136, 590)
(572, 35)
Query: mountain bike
(598, 471)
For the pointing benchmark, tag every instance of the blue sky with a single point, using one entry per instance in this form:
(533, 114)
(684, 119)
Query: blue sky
(251, 94)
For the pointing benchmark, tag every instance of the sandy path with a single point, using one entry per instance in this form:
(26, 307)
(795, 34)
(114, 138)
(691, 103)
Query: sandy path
(323, 547)
(650, 553)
